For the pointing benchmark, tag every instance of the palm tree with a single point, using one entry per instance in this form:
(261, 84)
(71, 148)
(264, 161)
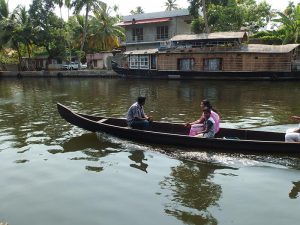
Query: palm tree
(204, 11)
(171, 5)
(25, 28)
(4, 11)
(69, 6)
(138, 10)
(11, 32)
(60, 4)
(104, 34)
(291, 24)
(4, 14)
(74, 34)
(88, 5)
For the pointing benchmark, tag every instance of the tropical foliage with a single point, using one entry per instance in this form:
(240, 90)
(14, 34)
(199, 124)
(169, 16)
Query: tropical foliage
(137, 10)
(231, 15)
(103, 30)
(287, 27)
(171, 5)
(36, 31)
(290, 20)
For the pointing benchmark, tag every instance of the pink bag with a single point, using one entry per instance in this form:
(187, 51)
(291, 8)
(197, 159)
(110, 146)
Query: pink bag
(196, 129)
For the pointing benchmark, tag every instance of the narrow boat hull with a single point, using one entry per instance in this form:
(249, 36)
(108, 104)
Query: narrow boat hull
(227, 140)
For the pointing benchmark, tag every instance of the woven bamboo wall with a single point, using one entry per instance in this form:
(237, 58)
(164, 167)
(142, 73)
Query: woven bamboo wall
(231, 61)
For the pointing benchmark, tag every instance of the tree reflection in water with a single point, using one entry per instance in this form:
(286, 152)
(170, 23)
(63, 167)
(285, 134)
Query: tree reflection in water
(93, 146)
(192, 193)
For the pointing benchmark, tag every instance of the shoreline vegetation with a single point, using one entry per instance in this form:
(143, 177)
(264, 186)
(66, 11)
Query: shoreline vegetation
(93, 26)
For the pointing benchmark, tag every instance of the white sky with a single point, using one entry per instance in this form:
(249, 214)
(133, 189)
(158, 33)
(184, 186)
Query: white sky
(148, 5)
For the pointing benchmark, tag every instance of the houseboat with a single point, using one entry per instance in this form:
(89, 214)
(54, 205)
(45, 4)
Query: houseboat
(220, 55)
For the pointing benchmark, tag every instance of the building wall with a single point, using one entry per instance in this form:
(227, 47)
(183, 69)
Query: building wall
(177, 25)
(231, 62)
(98, 60)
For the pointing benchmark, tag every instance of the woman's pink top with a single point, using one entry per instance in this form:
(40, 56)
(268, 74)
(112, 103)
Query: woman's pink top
(198, 127)
(216, 118)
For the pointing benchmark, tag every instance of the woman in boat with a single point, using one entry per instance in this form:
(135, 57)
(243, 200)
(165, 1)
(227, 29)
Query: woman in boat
(208, 125)
(136, 117)
(293, 134)
(197, 126)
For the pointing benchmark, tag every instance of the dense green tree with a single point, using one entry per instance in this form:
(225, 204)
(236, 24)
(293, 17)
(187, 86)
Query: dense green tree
(171, 5)
(11, 35)
(198, 25)
(16, 31)
(75, 32)
(26, 29)
(255, 15)
(225, 18)
(137, 10)
(48, 28)
(270, 37)
(194, 8)
(230, 15)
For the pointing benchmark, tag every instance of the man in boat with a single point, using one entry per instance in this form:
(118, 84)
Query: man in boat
(136, 117)
(208, 125)
(293, 134)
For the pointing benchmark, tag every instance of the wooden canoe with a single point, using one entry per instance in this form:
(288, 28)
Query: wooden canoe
(227, 140)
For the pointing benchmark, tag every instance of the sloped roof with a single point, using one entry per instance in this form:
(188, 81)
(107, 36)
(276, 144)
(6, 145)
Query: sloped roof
(210, 36)
(155, 15)
(158, 20)
(251, 48)
(257, 48)
(141, 52)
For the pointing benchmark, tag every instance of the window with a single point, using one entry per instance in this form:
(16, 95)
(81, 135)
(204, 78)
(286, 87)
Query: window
(212, 64)
(139, 62)
(162, 32)
(144, 61)
(186, 64)
(137, 34)
(134, 62)
(95, 63)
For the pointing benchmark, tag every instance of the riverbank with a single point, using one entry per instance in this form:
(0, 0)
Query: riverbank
(60, 73)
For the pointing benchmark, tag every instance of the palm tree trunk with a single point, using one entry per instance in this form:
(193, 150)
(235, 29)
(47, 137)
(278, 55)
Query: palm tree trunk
(84, 32)
(60, 13)
(205, 16)
(19, 54)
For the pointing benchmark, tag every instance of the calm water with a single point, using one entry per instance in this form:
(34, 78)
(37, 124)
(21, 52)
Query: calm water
(55, 173)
